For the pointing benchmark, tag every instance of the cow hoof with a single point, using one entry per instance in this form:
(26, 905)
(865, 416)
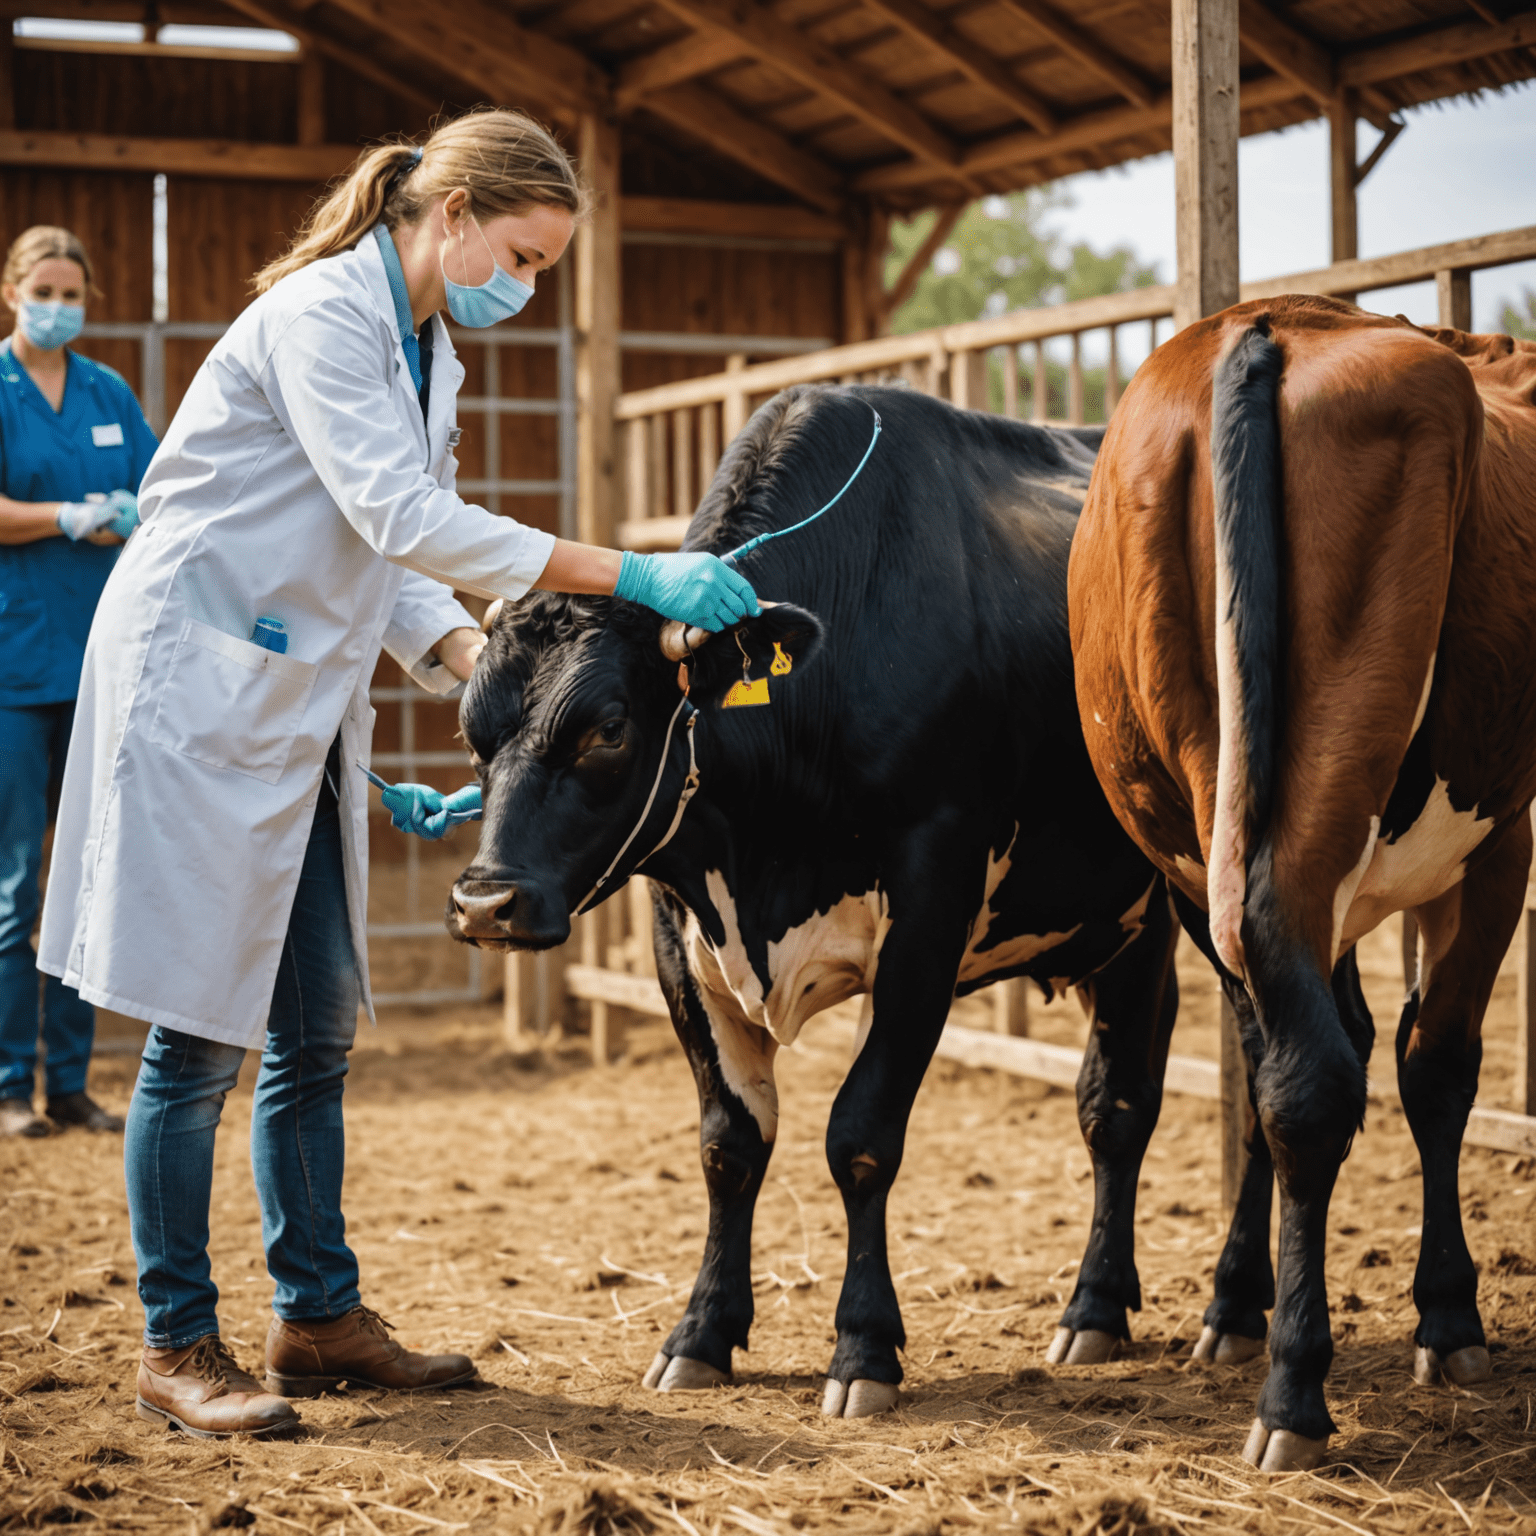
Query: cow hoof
(1281, 1450)
(1226, 1348)
(680, 1374)
(1462, 1368)
(858, 1399)
(1090, 1347)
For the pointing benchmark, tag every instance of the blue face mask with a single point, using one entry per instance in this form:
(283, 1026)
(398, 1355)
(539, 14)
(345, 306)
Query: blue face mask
(50, 325)
(499, 297)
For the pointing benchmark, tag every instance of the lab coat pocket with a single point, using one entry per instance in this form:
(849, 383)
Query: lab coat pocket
(232, 704)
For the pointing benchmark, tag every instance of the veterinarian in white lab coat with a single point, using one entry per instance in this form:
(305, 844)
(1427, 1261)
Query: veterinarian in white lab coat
(210, 865)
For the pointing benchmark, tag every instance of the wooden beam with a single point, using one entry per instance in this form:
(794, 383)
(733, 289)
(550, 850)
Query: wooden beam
(714, 120)
(1342, 178)
(1087, 50)
(7, 78)
(1091, 130)
(1434, 50)
(317, 42)
(1286, 50)
(147, 50)
(311, 114)
(818, 68)
(973, 61)
(699, 53)
(907, 279)
(1205, 132)
(480, 43)
(597, 333)
(695, 216)
(178, 157)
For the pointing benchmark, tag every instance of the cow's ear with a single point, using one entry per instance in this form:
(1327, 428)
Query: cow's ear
(778, 643)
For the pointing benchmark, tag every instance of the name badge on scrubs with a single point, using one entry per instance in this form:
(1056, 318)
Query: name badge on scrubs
(108, 436)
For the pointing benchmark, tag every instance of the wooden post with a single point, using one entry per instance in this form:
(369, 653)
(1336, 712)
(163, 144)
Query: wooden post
(968, 380)
(733, 411)
(7, 78)
(1234, 1108)
(1343, 178)
(1010, 1007)
(1075, 381)
(597, 332)
(709, 445)
(642, 926)
(682, 463)
(1010, 357)
(311, 98)
(1205, 127)
(1453, 291)
(1040, 406)
(521, 1024)
(593, 952)
(1112, 374)
(638, 503)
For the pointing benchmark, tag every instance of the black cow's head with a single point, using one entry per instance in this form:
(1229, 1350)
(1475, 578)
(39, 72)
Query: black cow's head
(565, 718)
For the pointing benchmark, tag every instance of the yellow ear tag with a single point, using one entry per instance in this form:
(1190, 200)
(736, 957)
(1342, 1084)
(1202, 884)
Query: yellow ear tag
(781, 664)
(749, 691)
(746, 693)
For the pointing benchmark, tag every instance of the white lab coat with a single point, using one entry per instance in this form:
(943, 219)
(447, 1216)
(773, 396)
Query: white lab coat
(295, 481)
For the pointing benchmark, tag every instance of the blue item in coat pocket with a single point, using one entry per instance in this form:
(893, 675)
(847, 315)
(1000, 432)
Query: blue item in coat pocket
(232, 704)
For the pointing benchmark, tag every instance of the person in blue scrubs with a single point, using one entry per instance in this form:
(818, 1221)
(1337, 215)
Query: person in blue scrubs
(73, 447)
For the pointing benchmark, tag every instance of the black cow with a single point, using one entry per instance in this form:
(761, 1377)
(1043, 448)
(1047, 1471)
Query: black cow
(913, 813)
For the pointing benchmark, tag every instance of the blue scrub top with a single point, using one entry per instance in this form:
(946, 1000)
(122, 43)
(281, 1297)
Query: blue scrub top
(97, 441)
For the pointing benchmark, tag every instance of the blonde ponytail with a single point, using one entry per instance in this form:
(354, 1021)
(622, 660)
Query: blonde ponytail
(503, 159)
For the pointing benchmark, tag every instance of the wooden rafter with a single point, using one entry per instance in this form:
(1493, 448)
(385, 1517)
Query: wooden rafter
(177, 157)
(349, 58)
(972, 60)
(1012, 150)
(673, 63)
(1434, 50)
(820, 69)
(917, 263)
(711, 118)
(480, 43)
(1286, 50)
(1087, 50)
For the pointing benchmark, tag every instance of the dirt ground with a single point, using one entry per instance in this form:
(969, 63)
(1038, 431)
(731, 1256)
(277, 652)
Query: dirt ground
(548, 1217)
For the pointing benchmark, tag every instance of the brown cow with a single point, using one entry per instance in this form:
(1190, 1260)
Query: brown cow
(1305, 646)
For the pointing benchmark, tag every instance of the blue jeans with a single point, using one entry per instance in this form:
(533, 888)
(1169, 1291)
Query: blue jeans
(33, 743)
(297, 1141)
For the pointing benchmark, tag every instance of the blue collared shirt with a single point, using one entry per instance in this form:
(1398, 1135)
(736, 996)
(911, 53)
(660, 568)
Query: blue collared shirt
(97, 441)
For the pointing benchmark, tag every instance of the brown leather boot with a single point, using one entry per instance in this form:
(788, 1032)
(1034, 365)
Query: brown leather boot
(201, 1390)
(305, 1359)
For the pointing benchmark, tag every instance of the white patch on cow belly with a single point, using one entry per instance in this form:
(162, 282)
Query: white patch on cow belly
(829, 957)
(1345, 895)
(1227, 877)
(745, 1050)
(1423, 863)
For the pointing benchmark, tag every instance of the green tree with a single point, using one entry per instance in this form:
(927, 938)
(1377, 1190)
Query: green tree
(1002, 256)
(1516, 324)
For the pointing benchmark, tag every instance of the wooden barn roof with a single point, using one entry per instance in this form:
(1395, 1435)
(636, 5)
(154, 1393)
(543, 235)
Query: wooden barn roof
(904, 102)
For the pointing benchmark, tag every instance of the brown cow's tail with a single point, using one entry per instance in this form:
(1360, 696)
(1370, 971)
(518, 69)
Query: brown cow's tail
(1245, 472)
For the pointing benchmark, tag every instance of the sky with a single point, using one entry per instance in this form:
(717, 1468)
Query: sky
(1461, 168)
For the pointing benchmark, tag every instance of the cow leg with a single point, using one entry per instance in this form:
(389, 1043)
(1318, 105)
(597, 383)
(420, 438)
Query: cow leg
(732, 1065)
(1119, 1093)
(866, 1134)
(1439, 1050)
(1311, 1100)
(1234, 1325)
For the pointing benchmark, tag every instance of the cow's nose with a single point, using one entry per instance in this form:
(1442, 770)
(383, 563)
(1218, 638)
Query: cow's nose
(484, 910)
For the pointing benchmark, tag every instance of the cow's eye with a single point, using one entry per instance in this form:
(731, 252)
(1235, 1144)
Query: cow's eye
(604, 738)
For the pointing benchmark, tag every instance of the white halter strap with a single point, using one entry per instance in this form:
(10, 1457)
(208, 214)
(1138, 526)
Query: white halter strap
(690, 787)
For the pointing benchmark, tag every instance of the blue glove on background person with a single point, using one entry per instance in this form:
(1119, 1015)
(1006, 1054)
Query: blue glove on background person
(428, 812)
(126, 505)
(701, 590)
(80, 519)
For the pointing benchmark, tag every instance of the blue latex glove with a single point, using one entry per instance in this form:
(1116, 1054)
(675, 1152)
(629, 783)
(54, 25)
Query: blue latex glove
(701, 590)
(428, 812)
(79, 519)
(126, 506)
